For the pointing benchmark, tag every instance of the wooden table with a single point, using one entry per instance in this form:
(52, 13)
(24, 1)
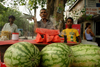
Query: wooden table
(5, 44)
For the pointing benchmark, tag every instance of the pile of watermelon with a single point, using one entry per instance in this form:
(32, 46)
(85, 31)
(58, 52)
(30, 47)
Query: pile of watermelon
(24, 54)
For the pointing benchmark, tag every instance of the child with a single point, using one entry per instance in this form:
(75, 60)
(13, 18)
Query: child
(70, 32)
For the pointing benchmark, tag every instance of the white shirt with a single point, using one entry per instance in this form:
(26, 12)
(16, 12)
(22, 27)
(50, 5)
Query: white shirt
(12, 28)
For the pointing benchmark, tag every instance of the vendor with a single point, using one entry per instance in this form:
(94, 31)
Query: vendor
(44, 22)
(11, 27)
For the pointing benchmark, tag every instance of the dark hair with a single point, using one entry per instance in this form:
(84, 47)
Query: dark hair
(12, 17)
(69, 18)
(87, 24)
(44, 9)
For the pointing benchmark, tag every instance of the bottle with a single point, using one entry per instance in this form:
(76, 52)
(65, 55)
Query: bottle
(65, 38)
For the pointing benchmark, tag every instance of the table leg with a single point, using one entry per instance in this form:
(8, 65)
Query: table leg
(2, 51)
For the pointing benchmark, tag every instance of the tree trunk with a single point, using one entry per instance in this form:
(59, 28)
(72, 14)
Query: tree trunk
(50, 7)
(56, 9)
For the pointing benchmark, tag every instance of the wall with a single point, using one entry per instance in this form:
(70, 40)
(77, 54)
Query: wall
(76, 11)
(76, 14)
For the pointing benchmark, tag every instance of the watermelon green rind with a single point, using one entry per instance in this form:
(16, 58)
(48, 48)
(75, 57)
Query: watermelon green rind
(56, 55)
(86, 56)
(22, 54)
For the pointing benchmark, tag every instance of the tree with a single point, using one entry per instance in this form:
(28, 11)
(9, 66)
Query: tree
(55, 8)
(5, 12)
(31, 4)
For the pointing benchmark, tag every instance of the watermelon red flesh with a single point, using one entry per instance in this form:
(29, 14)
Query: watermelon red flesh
(47, 31)
(39, 38)
(22, 54)
(56, 39)
(49, 38)
(86, 56)
(56, 55)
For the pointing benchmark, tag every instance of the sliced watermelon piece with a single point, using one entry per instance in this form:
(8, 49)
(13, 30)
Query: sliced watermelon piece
(49, 38)
(56, 39)
(47, 31)
(39, 38)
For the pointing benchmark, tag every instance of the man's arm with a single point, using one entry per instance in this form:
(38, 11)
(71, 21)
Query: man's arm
(35, 23)
(79, 39)
(78, 36)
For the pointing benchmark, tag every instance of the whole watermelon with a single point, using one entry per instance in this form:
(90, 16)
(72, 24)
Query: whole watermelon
(86, 56)
(56, 55)
(22, 54)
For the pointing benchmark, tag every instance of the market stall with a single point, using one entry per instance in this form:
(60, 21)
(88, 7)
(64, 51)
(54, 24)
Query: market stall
(5, 44)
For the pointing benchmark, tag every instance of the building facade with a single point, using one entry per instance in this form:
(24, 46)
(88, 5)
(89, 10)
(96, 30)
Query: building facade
(86, 11)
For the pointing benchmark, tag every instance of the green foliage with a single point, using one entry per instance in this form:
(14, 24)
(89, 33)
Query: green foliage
(5, 12)
(1, 0)
(77, 13)
(87, 17)
(70, 2)
(31, 4)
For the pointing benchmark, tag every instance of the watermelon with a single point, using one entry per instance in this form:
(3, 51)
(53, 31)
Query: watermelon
(56, 55)
(86, 56)
(22, 54)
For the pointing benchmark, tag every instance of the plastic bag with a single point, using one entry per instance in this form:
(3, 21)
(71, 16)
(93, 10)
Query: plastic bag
(3, 38)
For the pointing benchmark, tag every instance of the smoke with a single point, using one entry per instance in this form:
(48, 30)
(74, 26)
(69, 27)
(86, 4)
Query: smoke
(57, 25)
(53, 20)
